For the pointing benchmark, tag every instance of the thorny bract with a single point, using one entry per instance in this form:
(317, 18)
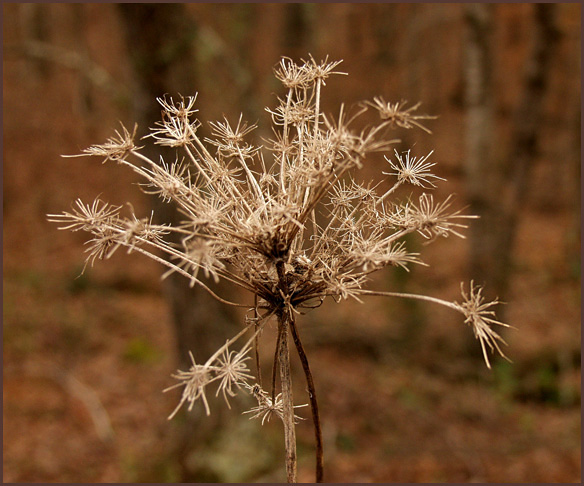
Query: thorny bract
(284, 221)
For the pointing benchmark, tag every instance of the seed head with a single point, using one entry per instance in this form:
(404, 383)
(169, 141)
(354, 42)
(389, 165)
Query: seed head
(413, 170)
(286, 221)
(397, 115)
(480, 318)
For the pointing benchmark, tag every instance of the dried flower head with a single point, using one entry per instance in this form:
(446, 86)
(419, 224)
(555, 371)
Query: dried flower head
(116, 148)
(285, 222)
(176, 128)
(413, 170)
(397, 115)
(480, 317)
(194, 381)
(232, 370)
(268, 407)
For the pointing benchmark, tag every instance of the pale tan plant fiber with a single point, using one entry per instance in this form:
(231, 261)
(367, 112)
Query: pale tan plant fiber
(250, 218)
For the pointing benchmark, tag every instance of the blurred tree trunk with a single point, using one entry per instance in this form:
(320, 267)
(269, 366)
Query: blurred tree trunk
(160, 43)
(481, 180)
(34, 18)
(86, 103)
(480, 172)
(298, 32)
(497, 191)
(526, 133)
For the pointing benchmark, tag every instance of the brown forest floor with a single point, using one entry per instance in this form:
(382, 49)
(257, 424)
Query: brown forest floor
(396, 406)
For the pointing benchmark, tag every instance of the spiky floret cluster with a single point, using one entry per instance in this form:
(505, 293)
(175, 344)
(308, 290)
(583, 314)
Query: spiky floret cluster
(284, 221)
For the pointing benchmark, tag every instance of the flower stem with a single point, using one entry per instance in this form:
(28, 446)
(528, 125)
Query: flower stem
(313, 402)
(287, 400)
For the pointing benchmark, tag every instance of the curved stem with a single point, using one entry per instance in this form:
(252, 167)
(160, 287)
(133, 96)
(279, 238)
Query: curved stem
(257, 339)
(313, 402)
(427, 298)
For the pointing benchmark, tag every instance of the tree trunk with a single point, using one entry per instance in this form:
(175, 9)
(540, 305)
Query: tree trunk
(34, 18)
(480, 173)
(525, 137)
(481, 183)
(497, 193)
(159, 38)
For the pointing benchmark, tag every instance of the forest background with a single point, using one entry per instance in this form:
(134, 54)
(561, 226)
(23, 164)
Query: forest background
(403, 397)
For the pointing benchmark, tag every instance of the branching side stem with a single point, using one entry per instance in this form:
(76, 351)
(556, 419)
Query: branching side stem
(313, 402)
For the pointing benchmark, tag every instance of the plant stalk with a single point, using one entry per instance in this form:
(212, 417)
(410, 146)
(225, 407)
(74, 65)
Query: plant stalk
(313, 402)
(287, 401)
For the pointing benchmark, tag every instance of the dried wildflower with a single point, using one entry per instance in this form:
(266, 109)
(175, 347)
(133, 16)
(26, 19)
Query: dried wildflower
(291, 74)
(194, 381)
(226, 366)
(87, 217)
(320, 71)
(293, 113)
(230, 141)
(428, 218)
(372, 254)
(201, 253)
(176, 128)
(413, 170)
(285, 222)
(232, 370)
(267, 407)
(182, 109)
(103, 245)
(115, 148)
(397, 115)
(480, 318)
(169, 181)
(477, 312)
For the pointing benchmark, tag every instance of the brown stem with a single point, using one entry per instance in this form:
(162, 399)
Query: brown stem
(313, 402)
(287, 401)
(257, 341)
(276, 357)
(282, 286)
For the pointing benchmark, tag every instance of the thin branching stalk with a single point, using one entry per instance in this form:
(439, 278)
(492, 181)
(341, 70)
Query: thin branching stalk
(313, 402)
(253, 224)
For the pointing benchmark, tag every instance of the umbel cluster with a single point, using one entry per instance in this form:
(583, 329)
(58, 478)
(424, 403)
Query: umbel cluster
(285, 221)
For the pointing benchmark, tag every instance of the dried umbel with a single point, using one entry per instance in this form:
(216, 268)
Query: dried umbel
(250, 218)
